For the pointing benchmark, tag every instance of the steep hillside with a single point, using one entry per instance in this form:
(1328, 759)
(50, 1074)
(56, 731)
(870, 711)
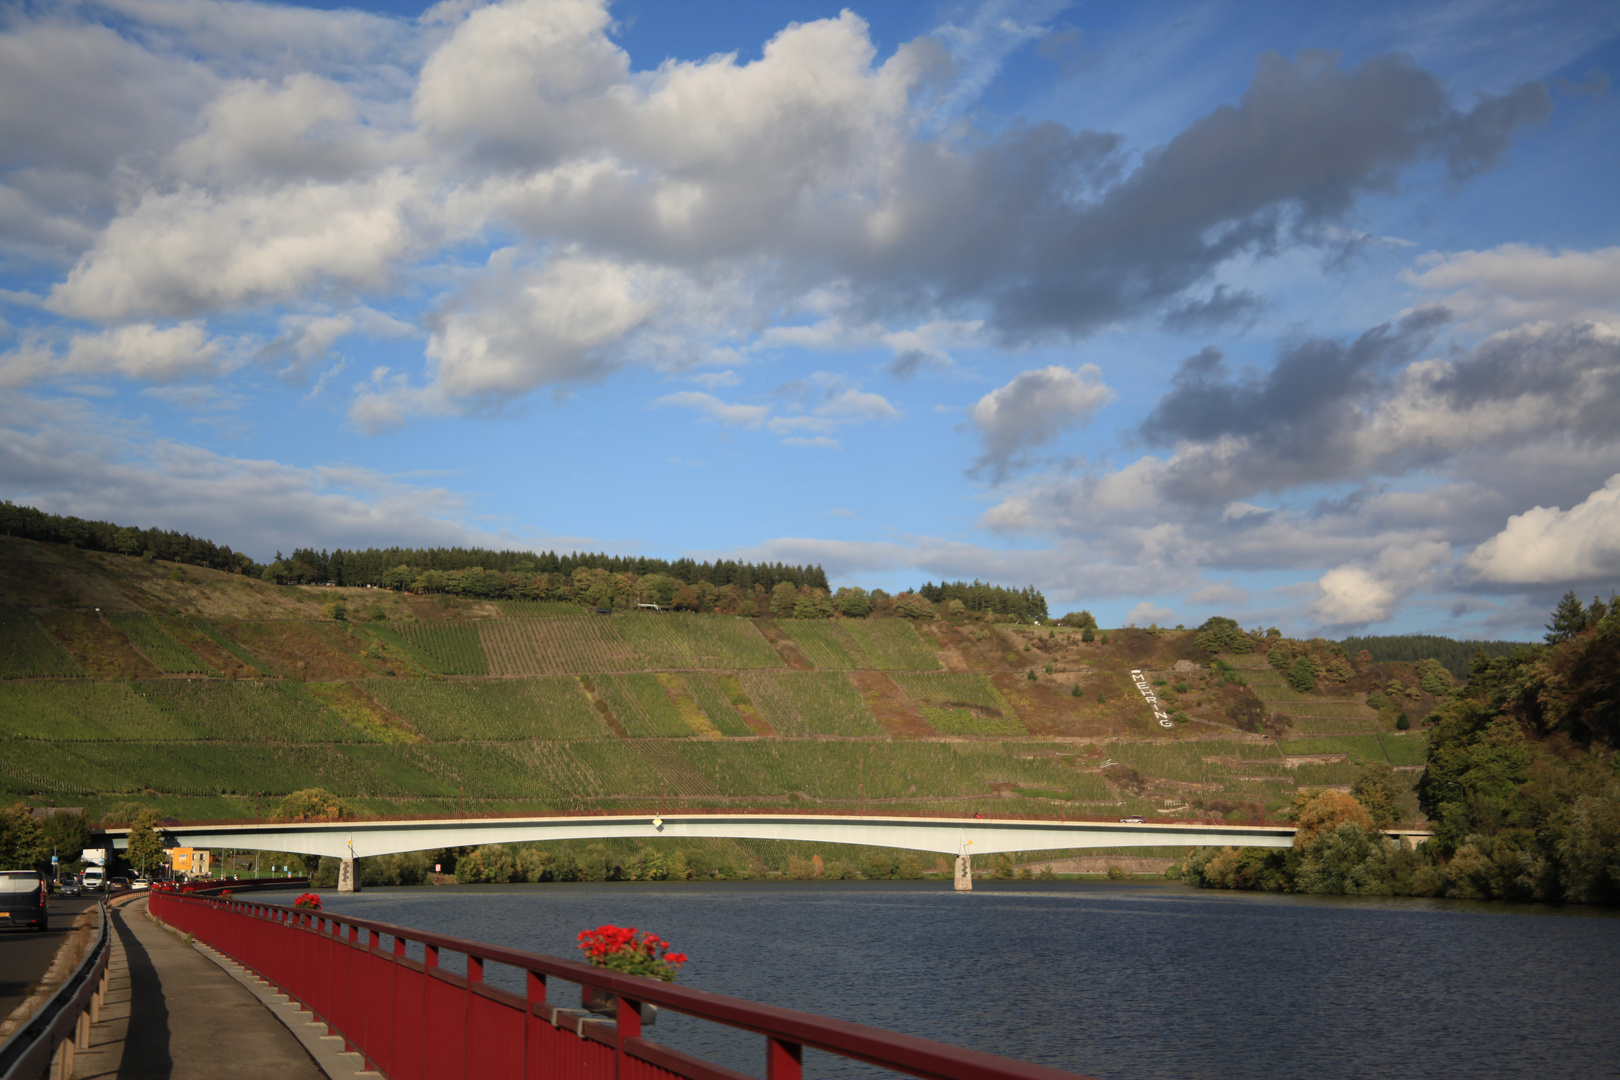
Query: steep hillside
(127, 682)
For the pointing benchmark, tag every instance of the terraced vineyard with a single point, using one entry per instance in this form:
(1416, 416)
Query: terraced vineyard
(864, 645)
(208, 695)
(453, 648)
(28, 652)
(585, 644)
(804, 703)
(551, 707)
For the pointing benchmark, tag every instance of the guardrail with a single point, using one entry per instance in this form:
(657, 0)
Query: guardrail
(413, 1020)
(48, 1041)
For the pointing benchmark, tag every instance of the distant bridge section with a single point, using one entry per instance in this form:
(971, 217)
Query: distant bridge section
(948, 836)
(961, 837)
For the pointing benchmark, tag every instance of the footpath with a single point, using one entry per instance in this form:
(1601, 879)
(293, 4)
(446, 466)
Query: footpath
(177, 1011)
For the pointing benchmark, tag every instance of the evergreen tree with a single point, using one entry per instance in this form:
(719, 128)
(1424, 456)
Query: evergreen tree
(1568, 620)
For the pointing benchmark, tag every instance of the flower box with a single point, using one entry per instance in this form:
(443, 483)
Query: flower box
(598, 1001)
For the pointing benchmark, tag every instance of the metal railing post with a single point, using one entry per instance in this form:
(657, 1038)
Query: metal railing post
(783, 1060)
(475, 975)
(628, 1016)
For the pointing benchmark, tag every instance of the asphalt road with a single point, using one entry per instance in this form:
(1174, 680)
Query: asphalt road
(25, 955)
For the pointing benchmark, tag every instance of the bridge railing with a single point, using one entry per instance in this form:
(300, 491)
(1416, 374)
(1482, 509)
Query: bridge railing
(414, 1020)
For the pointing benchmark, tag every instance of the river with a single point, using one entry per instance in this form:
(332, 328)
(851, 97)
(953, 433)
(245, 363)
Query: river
(1119, 980)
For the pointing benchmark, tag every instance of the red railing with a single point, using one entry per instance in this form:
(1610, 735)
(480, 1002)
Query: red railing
(414, 1020)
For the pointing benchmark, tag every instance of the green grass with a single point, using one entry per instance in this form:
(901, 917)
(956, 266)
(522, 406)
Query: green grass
(1361, 748)
(1331, 725)
(711, 694)
(642, 706)
(452, 647)
(960, 704)
(1411, 748)
(28, 652)
(550, 707)
(802, 703)
(148, 634)
(861, 644)
(683, 641)
(965, 722)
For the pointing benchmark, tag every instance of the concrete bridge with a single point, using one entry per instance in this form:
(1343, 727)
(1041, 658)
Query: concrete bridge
(961, 837)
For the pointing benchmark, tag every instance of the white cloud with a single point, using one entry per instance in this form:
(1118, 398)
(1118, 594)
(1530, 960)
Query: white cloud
(1352, 595)
(1551, 546)
(751, 416)
(139, 351)
(1517, 283)
(1032, 410)
(192, 250)
(1147, 613)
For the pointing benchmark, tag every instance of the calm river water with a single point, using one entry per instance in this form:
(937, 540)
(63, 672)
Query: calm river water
(1117, 980)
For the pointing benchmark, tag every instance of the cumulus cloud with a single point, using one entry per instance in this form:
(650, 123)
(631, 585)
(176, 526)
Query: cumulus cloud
(817, 170)
(1516, 284)
(139, 351)
(1358, 594)
(1148, 613)
(1551, 546)
(1032, 410)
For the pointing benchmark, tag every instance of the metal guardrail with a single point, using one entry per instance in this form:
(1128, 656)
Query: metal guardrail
(413, 1020)
(47, 1042)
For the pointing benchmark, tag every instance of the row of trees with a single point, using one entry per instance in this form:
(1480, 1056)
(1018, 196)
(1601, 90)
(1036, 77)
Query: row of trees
(489, 573)
(1026, 604)
(31, 524)
(28, 842)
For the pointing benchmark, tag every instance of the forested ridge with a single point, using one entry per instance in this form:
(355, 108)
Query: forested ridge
(1455, 655)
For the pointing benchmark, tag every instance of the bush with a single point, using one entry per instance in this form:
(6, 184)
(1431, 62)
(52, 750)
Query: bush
(1403, 722)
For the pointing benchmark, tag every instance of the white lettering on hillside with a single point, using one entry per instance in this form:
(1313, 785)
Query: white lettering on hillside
(1152, 699)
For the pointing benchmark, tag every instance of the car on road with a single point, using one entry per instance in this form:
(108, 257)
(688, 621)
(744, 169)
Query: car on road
(1133, 821)
(69, 885)
(118, 884)
(23, 896)
(140, 883)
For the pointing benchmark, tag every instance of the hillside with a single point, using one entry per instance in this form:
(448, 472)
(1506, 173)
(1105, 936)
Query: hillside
(128, 683)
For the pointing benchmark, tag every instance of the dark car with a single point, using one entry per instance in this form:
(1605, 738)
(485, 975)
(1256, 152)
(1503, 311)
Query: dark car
(118, 884)
(69, 885)
(23, 895)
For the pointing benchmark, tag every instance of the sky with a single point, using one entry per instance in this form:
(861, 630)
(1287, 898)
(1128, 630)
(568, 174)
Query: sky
(1303, 314)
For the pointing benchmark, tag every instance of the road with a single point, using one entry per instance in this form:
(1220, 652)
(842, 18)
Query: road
(25, 955)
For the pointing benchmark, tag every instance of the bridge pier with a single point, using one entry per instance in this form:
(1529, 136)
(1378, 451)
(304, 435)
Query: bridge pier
(348, 880)
(964, 873)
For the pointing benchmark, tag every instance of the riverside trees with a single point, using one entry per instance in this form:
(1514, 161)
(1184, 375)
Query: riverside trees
(1522, 789)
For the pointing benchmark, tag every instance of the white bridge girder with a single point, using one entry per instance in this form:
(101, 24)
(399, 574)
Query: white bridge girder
(949, 836)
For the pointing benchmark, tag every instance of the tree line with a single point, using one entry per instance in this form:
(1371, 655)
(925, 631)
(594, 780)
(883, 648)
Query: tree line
(976, 596)
(1522, 789)
(385, 567)
(166, 544)
(1455, 655)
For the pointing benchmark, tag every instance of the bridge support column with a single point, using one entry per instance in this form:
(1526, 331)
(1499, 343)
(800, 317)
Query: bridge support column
(964, 873)
(348, 880)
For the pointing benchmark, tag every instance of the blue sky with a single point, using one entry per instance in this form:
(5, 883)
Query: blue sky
(1304, 314)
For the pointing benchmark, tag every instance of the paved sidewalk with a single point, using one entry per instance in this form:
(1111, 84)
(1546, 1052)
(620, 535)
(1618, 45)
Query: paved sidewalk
(172, 1014)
